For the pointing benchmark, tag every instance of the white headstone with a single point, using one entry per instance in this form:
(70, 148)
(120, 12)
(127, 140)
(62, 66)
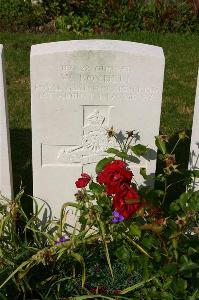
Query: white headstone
(78, 90)
(6, 188)
(194, 149)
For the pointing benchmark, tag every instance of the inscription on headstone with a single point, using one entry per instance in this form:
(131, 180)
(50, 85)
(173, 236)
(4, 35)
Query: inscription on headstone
(194, 149)
(6, 188)
(79, 89)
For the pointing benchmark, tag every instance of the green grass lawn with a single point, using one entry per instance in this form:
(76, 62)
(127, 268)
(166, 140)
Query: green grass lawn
(182, 61)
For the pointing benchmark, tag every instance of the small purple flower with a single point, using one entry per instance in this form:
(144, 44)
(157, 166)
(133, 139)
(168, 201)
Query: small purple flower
(117, 217)
(57, 243)
(62, 239)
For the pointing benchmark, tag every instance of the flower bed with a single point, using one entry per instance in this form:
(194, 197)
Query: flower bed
(129, 242)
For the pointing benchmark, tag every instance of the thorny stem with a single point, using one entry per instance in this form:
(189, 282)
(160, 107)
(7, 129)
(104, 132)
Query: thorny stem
(167, 187)
(127, 145)
(118, 141)
(175, 146)
(165, 191)
(171, 184)
(164, 247)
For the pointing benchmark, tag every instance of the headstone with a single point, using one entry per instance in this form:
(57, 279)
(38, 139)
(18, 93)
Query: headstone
(78, 90)
(194, 149)
(6, 188)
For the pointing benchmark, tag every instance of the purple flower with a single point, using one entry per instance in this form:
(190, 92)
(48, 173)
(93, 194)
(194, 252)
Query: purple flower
(117, 217)
(57, 243)
(62, 239)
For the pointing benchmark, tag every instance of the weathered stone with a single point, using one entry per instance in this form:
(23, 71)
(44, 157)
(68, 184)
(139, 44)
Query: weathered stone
(6, 188)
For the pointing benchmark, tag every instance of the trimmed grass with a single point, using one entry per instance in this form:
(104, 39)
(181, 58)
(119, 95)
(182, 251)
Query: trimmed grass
(182, 61)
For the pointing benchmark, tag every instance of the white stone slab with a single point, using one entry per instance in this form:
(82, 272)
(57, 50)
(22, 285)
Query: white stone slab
(194, 149)
(78, 90)
(6, 188)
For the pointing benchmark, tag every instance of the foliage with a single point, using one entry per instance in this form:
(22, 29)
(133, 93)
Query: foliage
(118, 16)
(20, 14)
(123, 16)
(149, 253)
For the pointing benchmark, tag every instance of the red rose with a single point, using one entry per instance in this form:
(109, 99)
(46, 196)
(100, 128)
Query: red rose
(114, 175)
(127, 201)
(83, 181)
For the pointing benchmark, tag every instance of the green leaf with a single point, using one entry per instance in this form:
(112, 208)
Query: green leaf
(182, 135)
(184, 259)
(179, 285)
(160, 177)
(96, 188)
(148, 242)
(136, 245)
(189, 266)
(123, 253)
(174, 207)
(72, 204)
(139, 149)
(19, 268)
(135, 230)
(136, 286)
(54, 284)
(143, 173)
(184, 197)
(166, 296)
(195, 173)
(167, 283)
(122, 154)
(80, 259)
(161, 145)
(112, 151)
(103, 233)
(170, 269)
(85, 297)
(3, 297)
(101, 164)
(192, 251)
(68, 204)
(157, 256)
(195, 296)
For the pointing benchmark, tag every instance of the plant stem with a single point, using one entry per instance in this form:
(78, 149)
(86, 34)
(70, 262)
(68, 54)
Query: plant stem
(175, 146)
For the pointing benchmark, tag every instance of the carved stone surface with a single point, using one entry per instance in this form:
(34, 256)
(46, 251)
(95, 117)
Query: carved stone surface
(6, 188)
(194, 149)
(79, 89)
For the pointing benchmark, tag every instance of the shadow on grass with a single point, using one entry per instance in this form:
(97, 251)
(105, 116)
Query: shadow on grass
(21, 153)
(182, 153)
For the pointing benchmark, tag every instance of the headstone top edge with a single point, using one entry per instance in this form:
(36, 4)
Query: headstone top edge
(97, 44)
(1, 48)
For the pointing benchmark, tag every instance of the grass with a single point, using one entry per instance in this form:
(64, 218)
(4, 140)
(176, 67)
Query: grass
(182, 57)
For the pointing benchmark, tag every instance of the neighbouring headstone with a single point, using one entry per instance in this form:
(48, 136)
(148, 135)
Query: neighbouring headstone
(78, 90)
(6, 188)
(194, 149)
